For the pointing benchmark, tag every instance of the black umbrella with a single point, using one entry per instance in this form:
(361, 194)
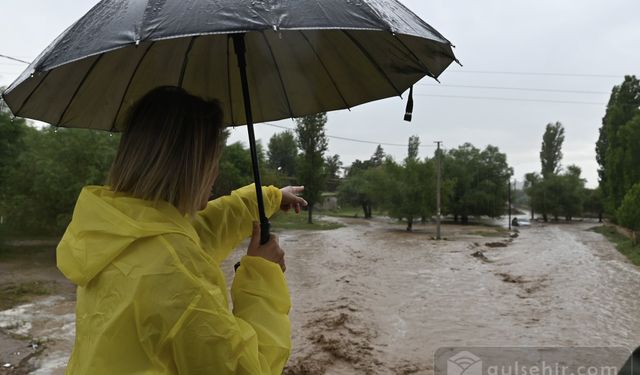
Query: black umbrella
(281, 58)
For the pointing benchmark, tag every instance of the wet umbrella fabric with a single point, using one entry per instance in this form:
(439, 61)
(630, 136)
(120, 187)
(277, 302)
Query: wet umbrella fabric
(302, 57)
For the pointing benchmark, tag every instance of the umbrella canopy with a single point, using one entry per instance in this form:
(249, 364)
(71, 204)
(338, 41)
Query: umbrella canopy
(303, 57)
(279, 58)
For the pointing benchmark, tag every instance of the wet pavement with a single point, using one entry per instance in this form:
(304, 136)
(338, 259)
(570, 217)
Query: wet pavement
(370, 298)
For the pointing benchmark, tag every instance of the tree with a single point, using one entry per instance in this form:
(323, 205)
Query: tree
(44, 181)
(378, 157)
(12, 143)
(629, 212)
(408, 191)
(332, 165)
(593, 204)
(234, 169)
(362, 189)
(617, 148)
(282, 153)
(362, 182)
(413, 148)
(478, 180)
(557, 195)
(531, 180)
(572, 192)
(551, 152)
(313, 143)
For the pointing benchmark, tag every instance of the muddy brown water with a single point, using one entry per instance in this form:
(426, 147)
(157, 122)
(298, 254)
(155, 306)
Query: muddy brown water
(371, 299)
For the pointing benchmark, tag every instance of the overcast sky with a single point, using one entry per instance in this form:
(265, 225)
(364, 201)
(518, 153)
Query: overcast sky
(526, 63)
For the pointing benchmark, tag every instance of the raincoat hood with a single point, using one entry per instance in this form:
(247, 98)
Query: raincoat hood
(105, 223)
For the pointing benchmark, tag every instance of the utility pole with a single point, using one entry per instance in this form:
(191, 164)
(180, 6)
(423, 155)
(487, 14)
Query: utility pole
(439, 160)
(509, 195)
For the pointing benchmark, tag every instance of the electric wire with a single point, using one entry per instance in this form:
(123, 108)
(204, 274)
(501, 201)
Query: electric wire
(350, 139)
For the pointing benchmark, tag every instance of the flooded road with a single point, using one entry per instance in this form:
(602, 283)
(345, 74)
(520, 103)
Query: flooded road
(367, 299)
(370, 298)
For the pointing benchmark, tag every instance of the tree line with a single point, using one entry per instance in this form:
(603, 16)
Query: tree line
(618, 154)
(557, 192)
(474, 183)
(43, 170)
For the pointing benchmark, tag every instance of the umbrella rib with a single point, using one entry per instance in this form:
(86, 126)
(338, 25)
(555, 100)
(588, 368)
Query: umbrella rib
(284, 90)
(424, 66)
(126, 90)
(371, 59)
(84, 79)
(32, 92)
(185, 61)
(233, 121)
(335, 84)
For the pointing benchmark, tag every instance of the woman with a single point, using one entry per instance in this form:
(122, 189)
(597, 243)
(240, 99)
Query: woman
(145, 253)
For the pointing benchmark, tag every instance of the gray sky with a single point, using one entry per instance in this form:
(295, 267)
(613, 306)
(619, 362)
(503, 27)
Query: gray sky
(581, 46)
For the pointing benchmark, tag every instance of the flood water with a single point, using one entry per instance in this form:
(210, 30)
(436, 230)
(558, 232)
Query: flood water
(370, 298)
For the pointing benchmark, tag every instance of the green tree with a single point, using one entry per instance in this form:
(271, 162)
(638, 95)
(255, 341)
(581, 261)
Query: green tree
(558, 195)
(617, 148)
(282, 153)
(313, 143)
(629, 212)
(378, 157)
(43, 184)
(531, 180)
(413, 147)
(234, 169)
(12, 143)
(362, 189)
(408, 191)
(572, 192)
(332, 165)
(361, 184)
(551, 152)
(479, 181)
(593, 204)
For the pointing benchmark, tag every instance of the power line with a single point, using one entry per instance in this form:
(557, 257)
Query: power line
(350, 139)
(15, 59)
(517, 89)
(511, 99)
(553, 74)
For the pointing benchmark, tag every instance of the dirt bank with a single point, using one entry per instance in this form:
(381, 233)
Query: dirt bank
(370, 298)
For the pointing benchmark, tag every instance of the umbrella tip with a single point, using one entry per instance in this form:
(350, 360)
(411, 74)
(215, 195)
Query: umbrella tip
(408, 113)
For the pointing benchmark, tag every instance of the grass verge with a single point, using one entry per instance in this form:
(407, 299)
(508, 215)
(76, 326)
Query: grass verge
(350, 212)
(292, 221)
(14, 294)
(623, 244)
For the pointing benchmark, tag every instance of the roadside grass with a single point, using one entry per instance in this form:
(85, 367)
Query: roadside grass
(350, 212)
(284, 220)
(14, 294)
(623, 244)
(28, 249)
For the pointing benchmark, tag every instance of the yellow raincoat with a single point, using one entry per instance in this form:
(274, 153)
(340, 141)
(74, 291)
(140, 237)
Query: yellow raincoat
(152, 298)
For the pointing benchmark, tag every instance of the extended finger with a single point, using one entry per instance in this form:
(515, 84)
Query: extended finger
(255, 236)
(297, 189)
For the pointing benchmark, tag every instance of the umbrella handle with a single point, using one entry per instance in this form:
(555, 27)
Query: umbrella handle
(241, 50)
(265, 228)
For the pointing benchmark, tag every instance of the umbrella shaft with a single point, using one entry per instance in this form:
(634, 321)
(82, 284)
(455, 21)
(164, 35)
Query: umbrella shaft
(240, 48)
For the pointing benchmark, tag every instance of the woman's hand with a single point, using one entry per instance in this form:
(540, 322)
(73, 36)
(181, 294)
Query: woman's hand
(290, 198)
(270, 251)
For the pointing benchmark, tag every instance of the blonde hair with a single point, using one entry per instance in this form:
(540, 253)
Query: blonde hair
(169, 149)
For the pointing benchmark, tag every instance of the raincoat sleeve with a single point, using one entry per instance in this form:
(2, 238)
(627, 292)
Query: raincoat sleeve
(228, 220)
(207, 338)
